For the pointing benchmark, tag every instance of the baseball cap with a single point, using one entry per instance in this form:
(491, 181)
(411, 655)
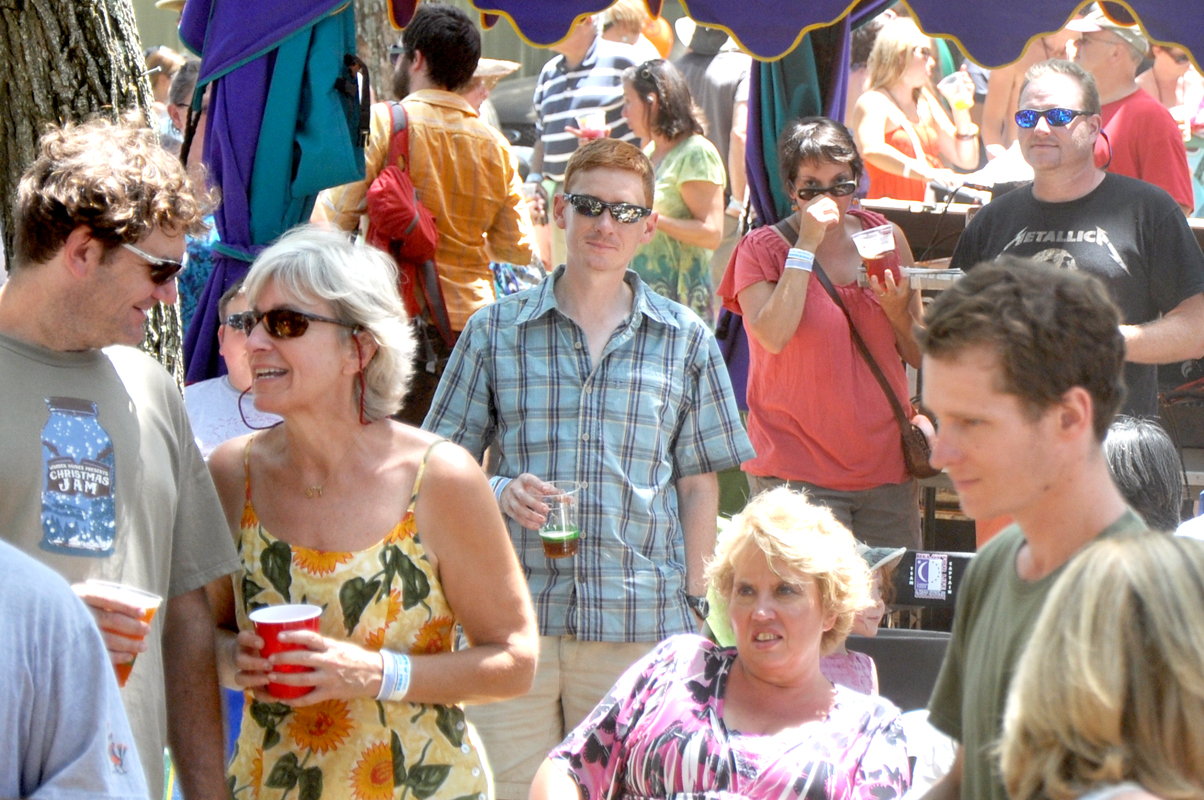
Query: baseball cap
(1097, 20)
(702, 40)
(877, 558)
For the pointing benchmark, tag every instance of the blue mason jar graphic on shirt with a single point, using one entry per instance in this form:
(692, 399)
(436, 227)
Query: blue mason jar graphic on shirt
(78, 512)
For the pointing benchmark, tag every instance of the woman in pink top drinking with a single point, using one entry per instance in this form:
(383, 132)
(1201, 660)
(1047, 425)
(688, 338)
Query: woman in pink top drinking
(818, 418)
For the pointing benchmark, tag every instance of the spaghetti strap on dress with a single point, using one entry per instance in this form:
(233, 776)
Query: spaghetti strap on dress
(386, 596)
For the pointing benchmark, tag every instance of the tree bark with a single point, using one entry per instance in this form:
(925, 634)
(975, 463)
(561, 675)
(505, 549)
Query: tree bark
(374, 34)
(66, 61)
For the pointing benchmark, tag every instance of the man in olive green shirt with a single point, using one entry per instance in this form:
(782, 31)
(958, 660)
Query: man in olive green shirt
(1023, 370)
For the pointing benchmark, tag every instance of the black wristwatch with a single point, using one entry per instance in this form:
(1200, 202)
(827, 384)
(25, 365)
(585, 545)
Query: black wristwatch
(699, 605)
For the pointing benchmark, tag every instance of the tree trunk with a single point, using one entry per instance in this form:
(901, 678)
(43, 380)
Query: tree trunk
(374, 34)
(65, 61)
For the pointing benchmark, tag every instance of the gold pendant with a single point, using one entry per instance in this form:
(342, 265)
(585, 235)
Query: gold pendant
(313, 492)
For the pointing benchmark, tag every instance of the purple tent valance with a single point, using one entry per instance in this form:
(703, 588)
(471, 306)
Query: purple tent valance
(992, 32)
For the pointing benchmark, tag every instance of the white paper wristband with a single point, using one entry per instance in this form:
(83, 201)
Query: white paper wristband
(395, 682)
(800, 259)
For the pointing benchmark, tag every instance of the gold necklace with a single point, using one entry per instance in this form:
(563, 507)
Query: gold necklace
(314, 491)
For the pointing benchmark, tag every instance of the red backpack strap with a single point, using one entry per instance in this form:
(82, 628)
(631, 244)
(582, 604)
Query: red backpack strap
(399, 141)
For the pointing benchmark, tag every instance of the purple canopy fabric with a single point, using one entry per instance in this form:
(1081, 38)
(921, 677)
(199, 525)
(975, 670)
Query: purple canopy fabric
(992, 32)
(236, 41)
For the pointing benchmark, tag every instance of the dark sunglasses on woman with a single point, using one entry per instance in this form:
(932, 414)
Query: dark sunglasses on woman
(280, 323)
(1056, 117)
(162, 270)
(590, 206)
(842, 189)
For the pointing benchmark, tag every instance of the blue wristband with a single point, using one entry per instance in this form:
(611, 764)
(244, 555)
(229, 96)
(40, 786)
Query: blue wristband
(800, 259)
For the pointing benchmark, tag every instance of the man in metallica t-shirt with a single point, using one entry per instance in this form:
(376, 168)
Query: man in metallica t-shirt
(1130, 234)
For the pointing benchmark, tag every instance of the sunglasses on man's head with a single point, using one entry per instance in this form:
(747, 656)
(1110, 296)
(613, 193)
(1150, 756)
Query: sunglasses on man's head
(162, 270)
(841, 189)
(1056, 117)
(280, 323)
(589, 206)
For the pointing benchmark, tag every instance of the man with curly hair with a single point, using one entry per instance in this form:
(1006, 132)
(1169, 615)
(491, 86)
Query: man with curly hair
(99, 474)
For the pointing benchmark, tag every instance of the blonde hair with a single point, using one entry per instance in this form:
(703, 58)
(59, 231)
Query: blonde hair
(803, 538)
(627, 15)
(1111, 685)
(359, 282)
(892, 51)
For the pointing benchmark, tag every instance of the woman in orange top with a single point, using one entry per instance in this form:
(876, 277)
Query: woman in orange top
(901, 129)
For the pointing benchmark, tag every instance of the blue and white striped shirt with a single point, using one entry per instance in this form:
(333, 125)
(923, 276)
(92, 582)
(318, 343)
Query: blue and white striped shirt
(657, 407)
(563, 94)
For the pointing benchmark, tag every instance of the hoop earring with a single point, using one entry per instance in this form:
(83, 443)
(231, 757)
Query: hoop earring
(241, 414)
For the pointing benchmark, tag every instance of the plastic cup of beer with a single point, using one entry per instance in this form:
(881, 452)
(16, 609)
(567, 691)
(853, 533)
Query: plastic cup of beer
(593, 125)
(270, 622)
(146, 603)
(876, 246)
(561, 532)
(954, 88)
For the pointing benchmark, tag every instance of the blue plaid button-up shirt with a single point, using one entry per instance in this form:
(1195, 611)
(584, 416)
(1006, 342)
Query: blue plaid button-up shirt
(657, 407)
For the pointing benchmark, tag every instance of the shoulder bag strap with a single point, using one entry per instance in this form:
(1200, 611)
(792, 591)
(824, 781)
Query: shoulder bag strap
(786, 229)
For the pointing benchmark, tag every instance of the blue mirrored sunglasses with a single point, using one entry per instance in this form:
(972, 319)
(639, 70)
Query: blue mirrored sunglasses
(1056, 117)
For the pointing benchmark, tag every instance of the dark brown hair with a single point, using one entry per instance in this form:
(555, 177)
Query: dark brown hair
(1052, 329)
(113, 178)
(816, 140)
(676, 113)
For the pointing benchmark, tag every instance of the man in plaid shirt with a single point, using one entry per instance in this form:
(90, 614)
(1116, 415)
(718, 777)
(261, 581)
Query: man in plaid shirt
(592, 377)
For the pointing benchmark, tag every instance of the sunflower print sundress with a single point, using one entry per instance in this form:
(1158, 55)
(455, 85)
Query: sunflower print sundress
(386, 596)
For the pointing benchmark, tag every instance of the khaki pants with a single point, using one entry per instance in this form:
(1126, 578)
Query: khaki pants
(572, 677)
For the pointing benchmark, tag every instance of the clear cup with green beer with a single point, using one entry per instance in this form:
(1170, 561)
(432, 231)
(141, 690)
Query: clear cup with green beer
(561, 533)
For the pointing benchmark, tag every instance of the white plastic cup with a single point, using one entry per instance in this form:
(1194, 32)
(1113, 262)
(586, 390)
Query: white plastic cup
(561, 530)
(876, 246)
(147, 603)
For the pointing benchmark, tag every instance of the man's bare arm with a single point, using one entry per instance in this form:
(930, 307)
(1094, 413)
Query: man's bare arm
(1176, 336)
(698, 506)
(949, 787)
(194, 713)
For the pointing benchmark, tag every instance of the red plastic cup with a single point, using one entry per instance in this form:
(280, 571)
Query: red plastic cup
(270, 622)
(146, 602)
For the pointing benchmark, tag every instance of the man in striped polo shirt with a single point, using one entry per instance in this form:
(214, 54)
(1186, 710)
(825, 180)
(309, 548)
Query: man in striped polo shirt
(585, 78)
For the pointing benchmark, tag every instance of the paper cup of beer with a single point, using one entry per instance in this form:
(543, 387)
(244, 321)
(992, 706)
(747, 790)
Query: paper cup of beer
(876, 246)
(270, 622)
(561, 531)
(147, 604)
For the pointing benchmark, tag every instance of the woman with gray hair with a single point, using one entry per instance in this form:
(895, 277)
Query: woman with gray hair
(391, 533)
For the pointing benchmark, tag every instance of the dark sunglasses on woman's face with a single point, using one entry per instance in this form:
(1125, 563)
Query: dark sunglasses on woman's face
(589, 206)
(162, 270)
(1179, 57)
(842, 189)
(1056, 117)
(280, 323)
